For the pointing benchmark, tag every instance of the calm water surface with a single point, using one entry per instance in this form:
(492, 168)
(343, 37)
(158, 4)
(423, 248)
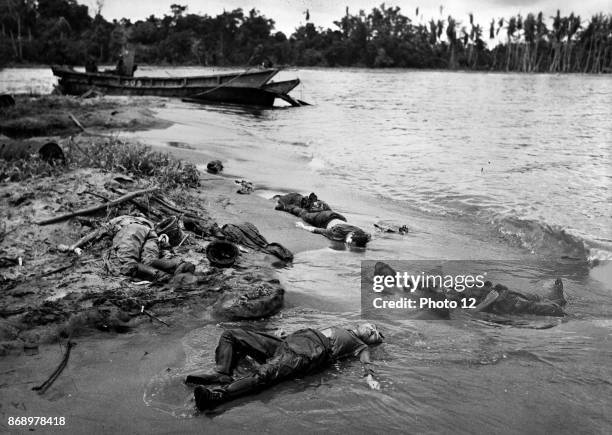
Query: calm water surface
(494, 167)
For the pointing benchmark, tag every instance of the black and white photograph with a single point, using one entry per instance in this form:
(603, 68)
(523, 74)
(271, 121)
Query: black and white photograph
(306, 216)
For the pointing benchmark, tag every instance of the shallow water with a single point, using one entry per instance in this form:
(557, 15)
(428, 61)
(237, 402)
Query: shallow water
(493, 167)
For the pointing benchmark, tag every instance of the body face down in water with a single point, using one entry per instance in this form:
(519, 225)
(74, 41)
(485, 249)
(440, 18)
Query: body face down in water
(322, 219)
(498, 299)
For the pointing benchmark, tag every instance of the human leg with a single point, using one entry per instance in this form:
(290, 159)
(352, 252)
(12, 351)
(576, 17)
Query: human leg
(126, 248)
(284, 365)
(543, 309)
(173, 265)
(235, 344)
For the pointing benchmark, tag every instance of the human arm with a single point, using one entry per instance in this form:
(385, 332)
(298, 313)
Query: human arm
(104, 230)
(310, 228)
(293, 209)
(368, 372)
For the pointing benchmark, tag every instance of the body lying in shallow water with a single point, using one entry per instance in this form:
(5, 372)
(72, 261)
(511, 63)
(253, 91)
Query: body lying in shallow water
(302, 352)
(322, 219)
(497, 299)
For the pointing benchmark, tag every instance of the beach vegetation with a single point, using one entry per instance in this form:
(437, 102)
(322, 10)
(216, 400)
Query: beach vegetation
(109, 154)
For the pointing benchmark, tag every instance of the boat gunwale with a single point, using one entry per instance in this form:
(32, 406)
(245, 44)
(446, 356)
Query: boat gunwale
(61, 72)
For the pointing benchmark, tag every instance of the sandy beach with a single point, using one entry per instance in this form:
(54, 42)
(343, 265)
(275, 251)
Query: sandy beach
(104, 382)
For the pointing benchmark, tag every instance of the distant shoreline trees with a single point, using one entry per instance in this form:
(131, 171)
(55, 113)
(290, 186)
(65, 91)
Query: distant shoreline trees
(62, 31)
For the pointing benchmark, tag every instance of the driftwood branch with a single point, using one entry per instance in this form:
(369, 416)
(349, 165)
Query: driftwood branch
(45, 385)
(58, 270)
(167, 205)
(77, 123)
(96, 208)
(143, 311)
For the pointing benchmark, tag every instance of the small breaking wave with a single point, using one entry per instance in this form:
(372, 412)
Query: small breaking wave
(541, 238)
(534, 235)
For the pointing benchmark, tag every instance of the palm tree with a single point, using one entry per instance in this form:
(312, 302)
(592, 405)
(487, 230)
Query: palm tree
(574, 24)
(510, 29)
(541, 33)
(451, 35)
(559, 31)
(432, 32)
(529, 32)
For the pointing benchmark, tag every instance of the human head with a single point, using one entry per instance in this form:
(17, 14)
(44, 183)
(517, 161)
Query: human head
(358, 238)
(369, 333)
(164, 241)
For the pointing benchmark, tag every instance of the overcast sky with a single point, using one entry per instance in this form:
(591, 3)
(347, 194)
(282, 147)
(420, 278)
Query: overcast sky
(289, 14)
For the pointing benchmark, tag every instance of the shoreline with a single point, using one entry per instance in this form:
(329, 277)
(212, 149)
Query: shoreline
(108, 370)
(111, 378)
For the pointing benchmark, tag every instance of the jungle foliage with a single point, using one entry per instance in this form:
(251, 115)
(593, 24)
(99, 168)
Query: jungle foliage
(65, 32)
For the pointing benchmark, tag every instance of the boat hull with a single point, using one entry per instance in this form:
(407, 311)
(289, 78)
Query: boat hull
(76, 83)
(234, 95)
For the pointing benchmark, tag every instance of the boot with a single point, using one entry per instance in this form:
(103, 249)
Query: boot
(150, 273)
(185, 267)
(207, 398)
(556, 294)
(209, 378)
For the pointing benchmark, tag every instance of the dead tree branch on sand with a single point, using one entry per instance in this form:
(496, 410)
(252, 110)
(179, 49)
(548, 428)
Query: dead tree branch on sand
(96, 208)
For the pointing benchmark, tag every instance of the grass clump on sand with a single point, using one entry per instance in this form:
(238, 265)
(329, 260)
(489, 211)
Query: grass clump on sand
(138, 160)
(51, 115)
(109, 154)
(23, 169)
(40, 115)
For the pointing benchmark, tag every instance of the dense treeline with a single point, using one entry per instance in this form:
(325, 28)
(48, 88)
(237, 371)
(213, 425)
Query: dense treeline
(62, 31)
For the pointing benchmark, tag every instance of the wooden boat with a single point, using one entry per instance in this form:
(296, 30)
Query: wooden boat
(263, 96)
(76, 83)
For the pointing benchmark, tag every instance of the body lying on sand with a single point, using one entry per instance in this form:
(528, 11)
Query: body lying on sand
(143, 250)
(138, 250)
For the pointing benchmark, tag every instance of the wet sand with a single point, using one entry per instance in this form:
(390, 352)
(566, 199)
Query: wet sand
(102, 387)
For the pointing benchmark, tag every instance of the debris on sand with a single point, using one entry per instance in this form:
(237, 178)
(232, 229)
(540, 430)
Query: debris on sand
(246, 187)
(58, 371)
(214, 167)
(387, 227)
(53, 287)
